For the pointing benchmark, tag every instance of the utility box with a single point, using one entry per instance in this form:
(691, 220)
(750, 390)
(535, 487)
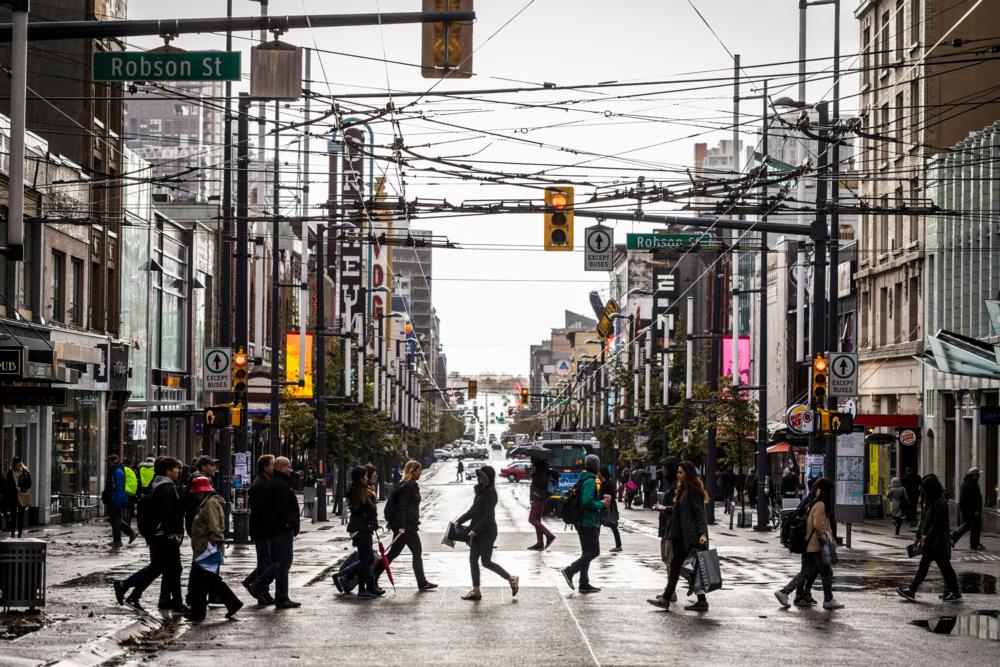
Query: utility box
(22, 573)
(276, 71)
(744, 519)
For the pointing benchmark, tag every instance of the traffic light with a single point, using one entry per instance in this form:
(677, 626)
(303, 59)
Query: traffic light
(473, 387)
(447, 47)
(834, 423)
(819, 377)
(217, 416)
(240, 376)
(525, 396)
(236, 420)
(559, 218)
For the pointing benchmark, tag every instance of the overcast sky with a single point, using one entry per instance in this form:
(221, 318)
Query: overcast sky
(500, 293)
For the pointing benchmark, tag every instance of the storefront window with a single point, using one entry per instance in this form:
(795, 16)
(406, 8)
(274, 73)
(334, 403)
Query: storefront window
(75, 454)
(136, 442)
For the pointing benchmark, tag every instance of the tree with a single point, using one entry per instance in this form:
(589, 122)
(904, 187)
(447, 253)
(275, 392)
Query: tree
(736, 413)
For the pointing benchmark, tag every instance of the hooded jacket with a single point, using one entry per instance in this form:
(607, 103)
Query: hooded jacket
(896, 495)
(167, 504)
(118, 496)
(970, 499)
(146, 475)
(482, 515)
(591, 503)
(209, 524)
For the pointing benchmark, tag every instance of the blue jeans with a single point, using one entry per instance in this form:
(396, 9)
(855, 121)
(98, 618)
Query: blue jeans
(281, 553)
(263, 574)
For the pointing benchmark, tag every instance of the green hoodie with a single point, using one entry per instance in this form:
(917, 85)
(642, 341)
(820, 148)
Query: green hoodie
(591, 503)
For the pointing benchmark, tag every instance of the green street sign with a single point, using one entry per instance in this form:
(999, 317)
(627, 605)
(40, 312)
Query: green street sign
(669, 241)
(151, 66)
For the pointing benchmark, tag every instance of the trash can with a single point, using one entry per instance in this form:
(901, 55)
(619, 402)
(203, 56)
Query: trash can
(22, 573)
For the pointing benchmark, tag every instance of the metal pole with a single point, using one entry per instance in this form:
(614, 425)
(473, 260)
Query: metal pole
(241, 524)
(762, 349)
(14, 249)
(304, 156)
(319, 378)
(711, 453)
(833, 336)
(734, 271)
(800, 195)
(226, 281)
(275, 430)
(818, 341)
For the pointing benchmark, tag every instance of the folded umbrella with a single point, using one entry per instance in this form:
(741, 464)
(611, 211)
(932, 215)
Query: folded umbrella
(385, 560)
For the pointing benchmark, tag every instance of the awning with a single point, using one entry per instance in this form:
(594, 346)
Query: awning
(783, 448)
(960, 355)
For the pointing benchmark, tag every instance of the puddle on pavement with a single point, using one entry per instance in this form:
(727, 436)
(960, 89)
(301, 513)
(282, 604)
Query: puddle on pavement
(968, 583)
(983, 624)
(15, 624)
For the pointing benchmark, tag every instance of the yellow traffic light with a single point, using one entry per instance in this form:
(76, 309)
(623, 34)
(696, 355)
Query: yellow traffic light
(525, 396)
(819, 378)
(447, 47)
(473, 388)
(236, 419)
(240, 376)
(559, 218)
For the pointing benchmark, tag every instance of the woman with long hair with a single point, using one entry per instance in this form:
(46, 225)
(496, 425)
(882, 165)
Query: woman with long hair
(934, 540)
(483, 532)
(817, 535)
(688, 531)
(16, 494)
(361, 527)
(402, 515)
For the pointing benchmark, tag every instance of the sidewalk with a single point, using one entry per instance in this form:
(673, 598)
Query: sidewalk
(80, 623)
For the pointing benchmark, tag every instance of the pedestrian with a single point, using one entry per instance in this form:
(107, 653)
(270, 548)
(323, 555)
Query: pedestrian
(131, 492)
(609, 517)
(161, 523)
(17, 495)
(309, 480)
(933, 541)
(911, 483)
(460, 470)
(818, 537)
(372, 482)
(626, 474)
(728, 485)
(666, 510)
(539, 496)
(688, 532)
(146, 475)
(896, 496)
(631, 488)
(397, 476)
(208, 548)
(262, 530)
(970, 510)
(751, 487)
(741, 482)
(589, 528)
(285, 506)
(202, 466)
(483, 532)
(116, 500)
(790, 487)
(402, 515)
(648, 490)
(361, 527)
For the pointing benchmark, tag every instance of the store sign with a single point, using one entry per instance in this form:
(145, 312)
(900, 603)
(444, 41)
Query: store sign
(292, 344)
(351, 308)
(139, 429)
(12, 361)
(800, 419)
(32, 396)
(908, 437)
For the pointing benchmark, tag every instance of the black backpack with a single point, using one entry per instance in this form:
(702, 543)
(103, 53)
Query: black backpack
(147, 521)
(793, 529)
(391, 504)
(571, 510)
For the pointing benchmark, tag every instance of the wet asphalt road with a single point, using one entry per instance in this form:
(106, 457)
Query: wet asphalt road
(548, 624)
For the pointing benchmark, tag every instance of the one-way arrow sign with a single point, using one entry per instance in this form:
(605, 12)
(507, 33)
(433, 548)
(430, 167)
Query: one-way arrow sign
(218, 368)
(598, 248)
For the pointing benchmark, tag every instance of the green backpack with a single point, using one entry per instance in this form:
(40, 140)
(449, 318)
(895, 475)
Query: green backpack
(131, 482)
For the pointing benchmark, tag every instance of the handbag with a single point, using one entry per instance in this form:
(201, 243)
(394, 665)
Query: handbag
(23, 499)
(828, 552)
(709, 571)
(457, 533)
(666, 550)
(913, 550)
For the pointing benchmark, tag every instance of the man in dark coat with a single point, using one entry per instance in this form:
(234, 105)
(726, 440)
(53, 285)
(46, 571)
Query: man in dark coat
(970, 508)
(911, 483)
(258, 582)
(285, 506)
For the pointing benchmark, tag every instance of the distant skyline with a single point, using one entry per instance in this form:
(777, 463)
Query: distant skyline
(501, 293)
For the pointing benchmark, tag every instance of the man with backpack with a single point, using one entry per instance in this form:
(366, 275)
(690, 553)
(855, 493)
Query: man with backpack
(116, 499)
(582, 507)
(131, 492)
(146, 474)
(161, 523)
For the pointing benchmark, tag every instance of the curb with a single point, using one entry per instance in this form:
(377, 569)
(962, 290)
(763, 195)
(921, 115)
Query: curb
(108, 646)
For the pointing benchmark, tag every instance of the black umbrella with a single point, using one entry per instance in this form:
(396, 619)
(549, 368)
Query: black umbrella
(531, 452)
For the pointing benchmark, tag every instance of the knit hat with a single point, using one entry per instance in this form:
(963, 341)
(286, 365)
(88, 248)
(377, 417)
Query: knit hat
(973, 470)
(592, 462)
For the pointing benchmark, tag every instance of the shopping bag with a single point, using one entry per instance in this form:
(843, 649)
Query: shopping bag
(456, 533)
(210, 559)
(828, 552)
(690, 567)
(709, 571)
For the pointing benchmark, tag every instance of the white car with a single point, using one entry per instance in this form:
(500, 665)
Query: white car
(441, 454)
(471, 467)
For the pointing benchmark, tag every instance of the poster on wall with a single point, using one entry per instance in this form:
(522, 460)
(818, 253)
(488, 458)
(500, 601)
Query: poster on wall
(850, 480)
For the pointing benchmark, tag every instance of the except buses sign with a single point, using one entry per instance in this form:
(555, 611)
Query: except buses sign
(152, 66)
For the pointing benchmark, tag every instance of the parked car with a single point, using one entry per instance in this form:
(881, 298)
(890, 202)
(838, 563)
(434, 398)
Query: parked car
(496, 447)
(471, 467)
(480, 452)
(441, 454)
(517, 471)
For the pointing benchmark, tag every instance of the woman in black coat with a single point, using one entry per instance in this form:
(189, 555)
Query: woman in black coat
(609, 517)
(404, 505)
(17, 483)
(934, 538)
(688, 531)
(483, 532)
(361, 527)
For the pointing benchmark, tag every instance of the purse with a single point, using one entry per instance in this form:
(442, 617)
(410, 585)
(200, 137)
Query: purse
(828, 552)
(24, 499)
(457, 533)
(913, 550)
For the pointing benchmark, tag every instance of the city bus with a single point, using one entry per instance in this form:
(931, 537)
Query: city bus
(569, 449)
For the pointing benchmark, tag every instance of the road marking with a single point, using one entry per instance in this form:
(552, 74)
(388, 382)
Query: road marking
(579, 628)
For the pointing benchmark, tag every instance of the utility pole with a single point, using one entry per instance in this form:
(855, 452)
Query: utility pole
(14, 243)
(319, 379)
(820, 237)
(275, 426)
(241, 525)
(763, 352)
(225, 338)
(734, 272)
(711, 453)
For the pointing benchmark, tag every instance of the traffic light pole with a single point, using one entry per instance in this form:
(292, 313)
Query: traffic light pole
(319, 382)
(241, 519)
(224, 451)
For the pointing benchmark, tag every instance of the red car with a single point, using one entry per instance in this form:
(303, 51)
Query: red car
(517, 471)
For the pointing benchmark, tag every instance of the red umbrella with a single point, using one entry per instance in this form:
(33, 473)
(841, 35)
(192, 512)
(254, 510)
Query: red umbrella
(385, 563)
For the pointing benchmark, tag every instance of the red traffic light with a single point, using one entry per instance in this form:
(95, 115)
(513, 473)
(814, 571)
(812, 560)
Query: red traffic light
(559, 200)
(240, 359)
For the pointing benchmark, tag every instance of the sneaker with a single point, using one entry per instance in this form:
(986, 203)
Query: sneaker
(660, 602)
(367, 595)
(232, 611)
(907, 593)
(427, 586)
(536, 547)
(133, 603)
(953, 597)
(980, 547)
(568, 577)
(700, 605)
(549, 540)
(805, 601)
(832, 604)
(119, 592)
(615, 550)
(287, 604)
(514, 582)
(473, 595)
(782, 598)
(587, 588)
